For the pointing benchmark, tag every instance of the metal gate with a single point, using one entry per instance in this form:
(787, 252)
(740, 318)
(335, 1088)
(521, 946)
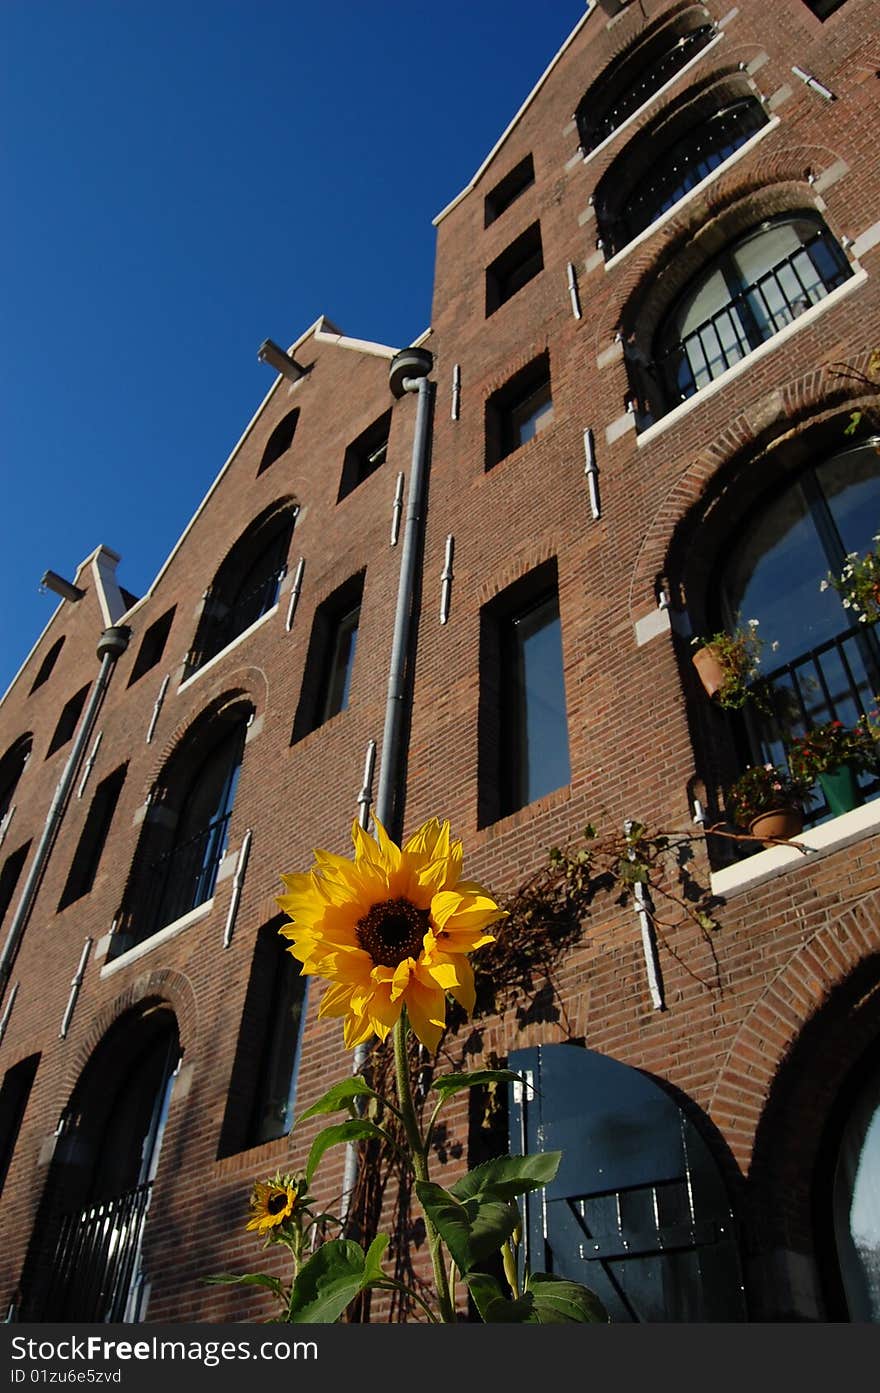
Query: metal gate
(638, 1211)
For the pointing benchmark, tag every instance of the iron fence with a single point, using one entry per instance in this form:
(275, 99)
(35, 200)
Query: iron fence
(96, 1259)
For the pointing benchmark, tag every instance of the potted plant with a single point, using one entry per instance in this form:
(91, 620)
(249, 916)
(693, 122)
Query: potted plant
(768, 802)
(859, 585)
(727, 663)
(834, 755)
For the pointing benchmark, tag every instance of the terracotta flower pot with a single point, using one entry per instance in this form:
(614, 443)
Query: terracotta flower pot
(710, 670)
(841, 789)
(778, 824)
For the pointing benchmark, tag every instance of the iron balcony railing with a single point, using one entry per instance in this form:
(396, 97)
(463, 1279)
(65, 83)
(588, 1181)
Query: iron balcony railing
(221, 629)
(658, 72)
(836, 681)
(689, 160)
(96, 1260)
(749, 318)
(180, 880)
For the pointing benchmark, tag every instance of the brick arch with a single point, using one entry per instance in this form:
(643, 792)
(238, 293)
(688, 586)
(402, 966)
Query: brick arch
(243, 685)
(161, 984)
(810, 401)
(527, 559)
(776, 1021)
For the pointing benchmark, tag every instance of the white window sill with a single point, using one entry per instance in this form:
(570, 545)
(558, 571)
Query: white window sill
(240, 638)
(672, 418)
(692, 193)
(171, 930)
(832, 836)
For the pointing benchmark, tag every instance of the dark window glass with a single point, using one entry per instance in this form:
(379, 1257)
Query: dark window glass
(47, 664)
(535, 715)
(824, 666)
(515, 267)
(84, 866)
(9, 877)
(280, 440)
(757, 286)
(518, 411)
(152, 645)
(246, 587)
(14, 1094)
(11, 769)
(822, 9)
(330, 659)
(523, 724)
(260, 1105)
(675, 163)
(365, 455)
(640, 72)
(67, 721)
(508, 189)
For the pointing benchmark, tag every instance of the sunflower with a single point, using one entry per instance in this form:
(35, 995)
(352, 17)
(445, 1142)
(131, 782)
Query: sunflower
(391, 929)
(272, 1201)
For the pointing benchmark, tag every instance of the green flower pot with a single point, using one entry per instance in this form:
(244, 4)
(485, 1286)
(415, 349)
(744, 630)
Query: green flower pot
(841, 790)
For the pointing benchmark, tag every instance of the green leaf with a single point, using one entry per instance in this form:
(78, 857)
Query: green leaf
(373, 1263)
(339, 1097)
(248, 1279)
(505, 1177)
(548, 1300)
(353, 1130)
(330, 1280)
(471, 1230)
(448, 1084)
(494, 1307)
(558, 1301)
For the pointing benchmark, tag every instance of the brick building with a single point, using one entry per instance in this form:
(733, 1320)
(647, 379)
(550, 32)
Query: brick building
(655, 309)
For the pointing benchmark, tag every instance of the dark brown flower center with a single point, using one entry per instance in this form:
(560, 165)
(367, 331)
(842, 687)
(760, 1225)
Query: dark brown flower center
(392, 931)
(277, 1203)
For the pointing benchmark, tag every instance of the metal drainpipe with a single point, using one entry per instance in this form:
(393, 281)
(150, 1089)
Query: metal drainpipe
(111, 645)
(408, 373)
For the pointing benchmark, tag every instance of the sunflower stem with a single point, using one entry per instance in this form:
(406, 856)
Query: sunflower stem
(420, 1162)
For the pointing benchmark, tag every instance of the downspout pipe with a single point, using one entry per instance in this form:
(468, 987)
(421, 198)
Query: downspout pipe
(111, 645)
(408, 373)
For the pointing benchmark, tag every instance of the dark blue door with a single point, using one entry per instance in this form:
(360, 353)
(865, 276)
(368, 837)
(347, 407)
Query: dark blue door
(638, 1210)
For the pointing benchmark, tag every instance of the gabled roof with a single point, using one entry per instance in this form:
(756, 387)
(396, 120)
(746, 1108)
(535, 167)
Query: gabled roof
(591, 6)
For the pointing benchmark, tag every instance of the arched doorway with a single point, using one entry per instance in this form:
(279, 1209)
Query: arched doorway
(86, 1252)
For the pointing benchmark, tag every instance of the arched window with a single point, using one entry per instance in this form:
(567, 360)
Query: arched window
(246, 586)
(11, 769)
(280, 440)
(187, 830)
(670, 157)
(85, 1258)
(639, 72)
(47, 665)
(758, 284)
(824, 667)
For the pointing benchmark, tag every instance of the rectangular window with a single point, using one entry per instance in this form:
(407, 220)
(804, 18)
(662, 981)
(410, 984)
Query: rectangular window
(505, 192)
(518, 411)
(523, 722)
(262, 1091)
(14, 1094)
(365, 455)
(152, 645)
(330, 659)
(67, 721)
(87, 856)
(515, 267)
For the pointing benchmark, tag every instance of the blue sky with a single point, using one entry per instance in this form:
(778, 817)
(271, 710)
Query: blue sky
(183, 181)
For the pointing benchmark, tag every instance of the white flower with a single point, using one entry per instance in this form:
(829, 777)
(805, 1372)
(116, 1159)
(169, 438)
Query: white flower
(753, 623)
(823, 585)
(774, 645)
(847, 603)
